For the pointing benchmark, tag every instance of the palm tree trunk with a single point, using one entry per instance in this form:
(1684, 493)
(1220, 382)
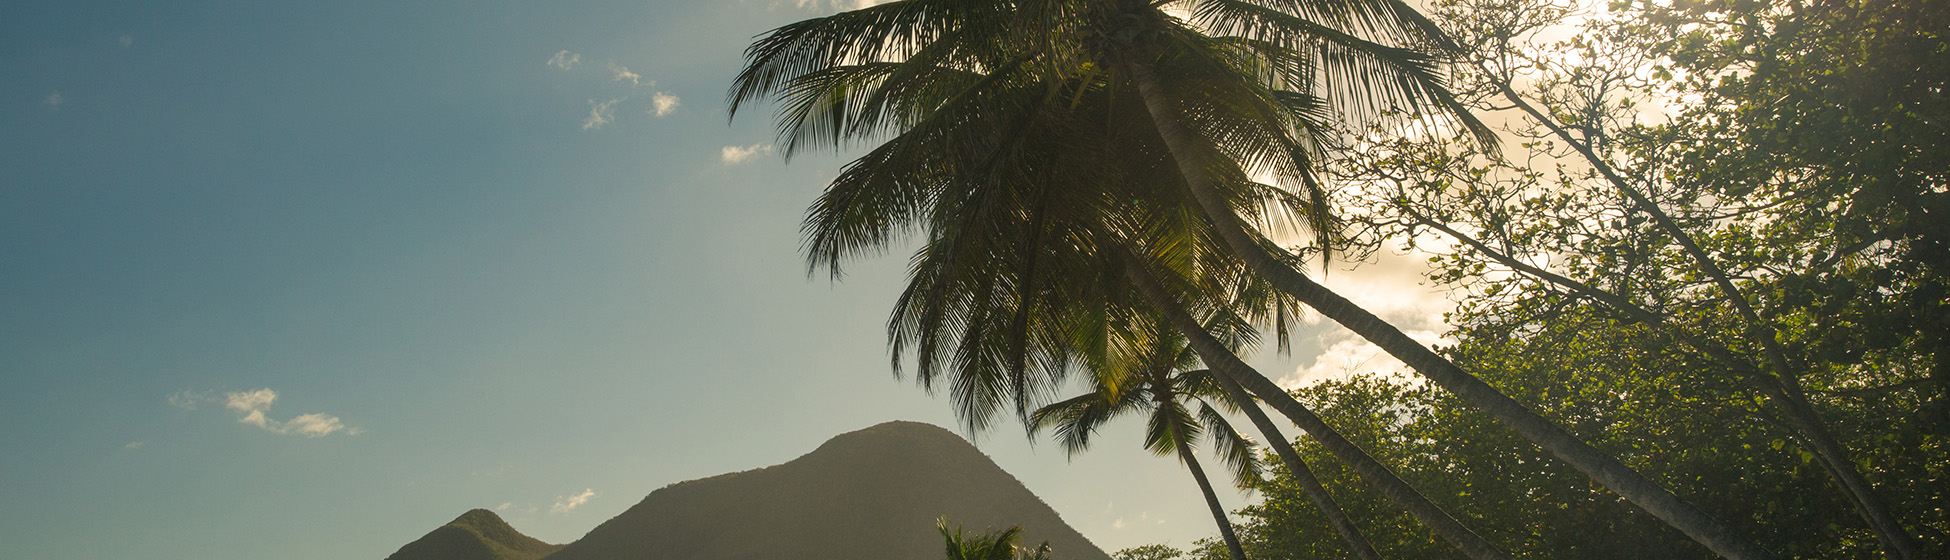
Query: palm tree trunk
(1310, 484)
(1211, 498)
(1600, 466)
(1227, 365)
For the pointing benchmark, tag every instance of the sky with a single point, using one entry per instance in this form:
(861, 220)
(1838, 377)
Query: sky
(307, 280)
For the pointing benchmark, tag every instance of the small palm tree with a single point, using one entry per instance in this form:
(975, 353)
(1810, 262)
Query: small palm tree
(994, 545)
(1160, 386)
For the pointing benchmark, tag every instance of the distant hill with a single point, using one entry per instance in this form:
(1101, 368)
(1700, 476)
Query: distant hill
(475, 535)
(873, 494)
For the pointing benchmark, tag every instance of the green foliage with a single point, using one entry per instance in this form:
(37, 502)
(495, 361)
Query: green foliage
(1704, 440)
(1838, 111)
(1800, 148)
(1149, 552)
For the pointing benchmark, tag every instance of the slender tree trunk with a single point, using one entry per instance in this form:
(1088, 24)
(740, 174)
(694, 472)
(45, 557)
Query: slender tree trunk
(1598, 465)
(1225, 364)
(1896, 540)
(1356, 542)
(1211, 498)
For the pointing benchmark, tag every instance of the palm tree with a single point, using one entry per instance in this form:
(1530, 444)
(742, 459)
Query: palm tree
(966, 88)
(1159, 385)
(1009, 258)
(994, 545)
(1002, 315)
(1121, 385)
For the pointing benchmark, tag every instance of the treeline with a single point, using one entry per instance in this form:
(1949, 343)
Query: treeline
(1716, 249)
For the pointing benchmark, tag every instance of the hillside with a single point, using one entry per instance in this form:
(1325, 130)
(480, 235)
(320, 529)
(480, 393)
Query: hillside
(475, 535)
(873, 494)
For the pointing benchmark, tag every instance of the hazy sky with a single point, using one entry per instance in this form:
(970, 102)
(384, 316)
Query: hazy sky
(304, 280)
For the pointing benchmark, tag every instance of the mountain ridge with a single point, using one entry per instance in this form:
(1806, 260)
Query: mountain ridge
(870, 494)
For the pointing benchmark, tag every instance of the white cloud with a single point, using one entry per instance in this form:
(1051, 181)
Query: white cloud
(570, 503)
(134, 445)
(252, 405)
(623, 74)
(314, 425)
(564, 60)
(734, 155)
(54, 99)
(1392, 287)
(504, 506)
(600, 113)
(665, 103)
(1350, 355)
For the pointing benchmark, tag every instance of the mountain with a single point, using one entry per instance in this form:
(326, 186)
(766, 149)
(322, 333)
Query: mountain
(873, 494)
(475, 535)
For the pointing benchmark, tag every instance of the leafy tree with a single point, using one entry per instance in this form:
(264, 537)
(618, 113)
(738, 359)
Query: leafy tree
(1148, 552)
(1728, 227)
(1626, 382)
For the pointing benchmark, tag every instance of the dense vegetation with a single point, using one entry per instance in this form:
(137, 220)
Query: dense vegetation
(1700, 268)
(1802, 150)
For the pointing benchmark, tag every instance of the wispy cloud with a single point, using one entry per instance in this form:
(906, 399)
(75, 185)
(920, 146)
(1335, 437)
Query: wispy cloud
(54, 99)
(314, 425)
(734, 155)
(564, 60)
(126, 40)
(600, 113)
(570, 503)
(623, 74)
(504, 506)
(664, 103)
(251, 408)
(189, 400)
(134, 445)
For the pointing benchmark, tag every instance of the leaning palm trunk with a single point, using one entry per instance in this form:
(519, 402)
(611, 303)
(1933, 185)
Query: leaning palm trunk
(1356, 542)
(1227, 365)
(1211, 498)
(1601, 467)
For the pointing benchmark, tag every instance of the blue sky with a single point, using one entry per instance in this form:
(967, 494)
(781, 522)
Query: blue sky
(305, 280)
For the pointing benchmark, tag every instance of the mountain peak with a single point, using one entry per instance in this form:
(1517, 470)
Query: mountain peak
(481, 518)
(478, 534)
